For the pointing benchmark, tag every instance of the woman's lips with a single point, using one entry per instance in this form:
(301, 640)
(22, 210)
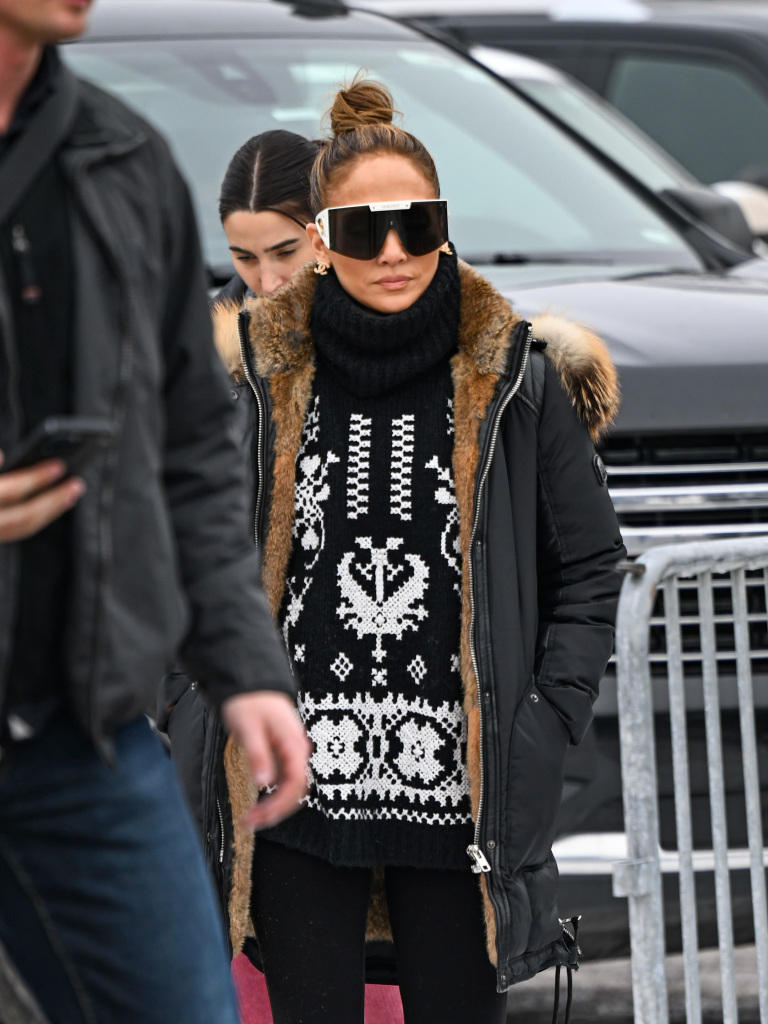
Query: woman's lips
(394, 284)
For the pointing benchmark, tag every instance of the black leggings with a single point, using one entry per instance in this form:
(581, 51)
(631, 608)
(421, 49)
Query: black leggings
(310, 923)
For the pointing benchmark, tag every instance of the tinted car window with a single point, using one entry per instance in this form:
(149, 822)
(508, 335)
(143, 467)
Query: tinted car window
(514, 182)
(709, 116)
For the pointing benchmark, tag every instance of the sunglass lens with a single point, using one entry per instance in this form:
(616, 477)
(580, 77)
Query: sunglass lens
(353, 233)
(424, 227)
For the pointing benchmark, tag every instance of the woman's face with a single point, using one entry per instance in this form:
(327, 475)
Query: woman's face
(267, 248)
(394, 280)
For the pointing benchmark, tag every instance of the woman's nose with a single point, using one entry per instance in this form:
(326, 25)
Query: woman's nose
(271, 281)
(392, 251)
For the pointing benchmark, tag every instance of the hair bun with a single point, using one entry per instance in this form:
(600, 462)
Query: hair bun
(362, 103)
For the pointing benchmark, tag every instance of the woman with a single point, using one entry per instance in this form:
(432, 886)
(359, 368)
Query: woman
(264, 210)
(439, 549)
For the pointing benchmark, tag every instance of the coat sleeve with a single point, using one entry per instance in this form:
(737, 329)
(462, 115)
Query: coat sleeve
(231, 645)
(579, 543)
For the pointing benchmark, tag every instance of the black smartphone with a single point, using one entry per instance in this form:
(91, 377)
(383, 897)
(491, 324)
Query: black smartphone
(75, 440)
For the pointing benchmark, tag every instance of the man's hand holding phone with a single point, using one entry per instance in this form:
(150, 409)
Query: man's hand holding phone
(33, 497)
(40, 481)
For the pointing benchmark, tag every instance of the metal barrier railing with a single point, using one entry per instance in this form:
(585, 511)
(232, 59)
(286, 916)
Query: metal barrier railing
(741, 565)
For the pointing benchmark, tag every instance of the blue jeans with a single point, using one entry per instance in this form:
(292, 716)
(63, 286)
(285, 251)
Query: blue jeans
(106, 907)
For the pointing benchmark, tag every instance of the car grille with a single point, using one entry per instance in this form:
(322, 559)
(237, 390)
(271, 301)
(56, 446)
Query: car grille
(672, 488)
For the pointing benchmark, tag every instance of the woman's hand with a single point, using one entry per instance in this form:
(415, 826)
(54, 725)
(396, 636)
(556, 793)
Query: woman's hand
(268, 728)
(30, 499)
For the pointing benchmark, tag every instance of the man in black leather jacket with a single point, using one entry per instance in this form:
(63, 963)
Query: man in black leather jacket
(104, 904)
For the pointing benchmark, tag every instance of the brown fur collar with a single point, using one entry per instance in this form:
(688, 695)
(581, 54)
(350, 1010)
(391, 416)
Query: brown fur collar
(281, 340)
(283, 354)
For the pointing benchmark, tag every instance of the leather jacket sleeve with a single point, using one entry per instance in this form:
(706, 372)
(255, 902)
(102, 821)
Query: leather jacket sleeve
(579, 543)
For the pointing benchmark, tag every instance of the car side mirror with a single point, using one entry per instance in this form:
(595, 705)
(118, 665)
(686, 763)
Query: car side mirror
(753, 201)
(718, 212)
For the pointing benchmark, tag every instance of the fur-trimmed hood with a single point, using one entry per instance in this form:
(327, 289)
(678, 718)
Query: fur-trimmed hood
(282, 341)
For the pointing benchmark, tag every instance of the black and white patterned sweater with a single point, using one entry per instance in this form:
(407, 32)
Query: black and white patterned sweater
(371, 616)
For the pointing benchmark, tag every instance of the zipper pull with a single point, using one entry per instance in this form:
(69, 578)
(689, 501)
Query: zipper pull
(480, 865)
(31, 292)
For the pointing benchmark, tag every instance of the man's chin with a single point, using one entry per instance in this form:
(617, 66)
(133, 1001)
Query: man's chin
(69, 23)
(67, 28)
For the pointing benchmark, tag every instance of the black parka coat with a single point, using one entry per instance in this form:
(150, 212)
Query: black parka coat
(539, 542)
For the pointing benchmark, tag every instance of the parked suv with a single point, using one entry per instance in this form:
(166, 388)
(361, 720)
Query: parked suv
(553, 227)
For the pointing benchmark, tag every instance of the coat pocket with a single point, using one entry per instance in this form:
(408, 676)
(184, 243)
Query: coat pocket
(535, 780)
(574, 706)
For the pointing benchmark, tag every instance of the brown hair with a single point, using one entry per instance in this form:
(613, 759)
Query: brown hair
(361, 123)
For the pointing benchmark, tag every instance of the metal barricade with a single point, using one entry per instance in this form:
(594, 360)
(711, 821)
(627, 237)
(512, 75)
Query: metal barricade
(710, 569)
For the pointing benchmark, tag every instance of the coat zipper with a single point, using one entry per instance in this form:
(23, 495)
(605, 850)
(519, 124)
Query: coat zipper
(480, 864)
(242, 331)
(221, 831)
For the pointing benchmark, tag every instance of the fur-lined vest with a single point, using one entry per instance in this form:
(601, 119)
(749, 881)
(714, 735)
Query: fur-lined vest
(539, 541)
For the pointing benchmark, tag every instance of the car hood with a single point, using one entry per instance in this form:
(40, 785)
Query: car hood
(691, 349)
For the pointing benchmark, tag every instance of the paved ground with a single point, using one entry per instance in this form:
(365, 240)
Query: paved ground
(602, 992)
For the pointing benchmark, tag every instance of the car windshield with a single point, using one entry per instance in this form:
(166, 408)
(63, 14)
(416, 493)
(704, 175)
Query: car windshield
(518, 189)
(608, 131)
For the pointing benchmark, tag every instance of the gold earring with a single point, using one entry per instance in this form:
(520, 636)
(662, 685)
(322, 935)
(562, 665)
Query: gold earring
(322, 268)
(445, 247)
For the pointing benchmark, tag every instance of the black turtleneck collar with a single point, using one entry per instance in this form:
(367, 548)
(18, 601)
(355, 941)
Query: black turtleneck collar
(372, 353)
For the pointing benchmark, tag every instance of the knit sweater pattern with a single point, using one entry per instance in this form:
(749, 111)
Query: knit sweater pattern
(371, 616)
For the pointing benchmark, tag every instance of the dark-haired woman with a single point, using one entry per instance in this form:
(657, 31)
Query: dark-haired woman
(264, 210)
(439, 549)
